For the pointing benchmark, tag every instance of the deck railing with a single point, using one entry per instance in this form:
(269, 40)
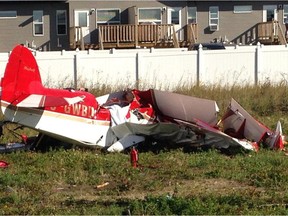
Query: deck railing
(192, 33)
(134, 35)
(141, 33)
(271, 33)
(116, 33)
(76, 37)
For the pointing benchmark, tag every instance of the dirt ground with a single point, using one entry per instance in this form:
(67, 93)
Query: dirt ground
(182, 189)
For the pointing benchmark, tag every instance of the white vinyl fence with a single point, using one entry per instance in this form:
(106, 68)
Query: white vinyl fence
(164, 69)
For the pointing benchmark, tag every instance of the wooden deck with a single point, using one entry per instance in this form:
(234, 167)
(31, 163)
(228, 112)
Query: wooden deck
(270, 33)
(132, 36)
(161, 36)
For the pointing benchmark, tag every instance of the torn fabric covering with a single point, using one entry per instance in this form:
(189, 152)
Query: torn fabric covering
(169, 132)
(129, 106)
(184, 132)
(158, 130)
(118, 114)
(216, 138)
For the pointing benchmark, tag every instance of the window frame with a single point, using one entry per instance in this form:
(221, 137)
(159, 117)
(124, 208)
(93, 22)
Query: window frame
(59, 23)
(285, 14)
(108, 22)
(7, 12)
(156, 21)
(176, 11)
(214, 18)
(191, 17)
(240, 9)
(38, 23)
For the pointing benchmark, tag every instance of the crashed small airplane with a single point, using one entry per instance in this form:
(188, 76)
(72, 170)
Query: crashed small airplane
(123, 119)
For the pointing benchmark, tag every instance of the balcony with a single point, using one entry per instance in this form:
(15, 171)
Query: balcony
(132, 36)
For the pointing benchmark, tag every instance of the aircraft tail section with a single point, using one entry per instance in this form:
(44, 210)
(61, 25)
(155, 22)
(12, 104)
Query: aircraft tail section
(21, 77)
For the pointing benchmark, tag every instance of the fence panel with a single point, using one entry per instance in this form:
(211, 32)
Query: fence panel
(167, 70)
(228, 67)
(274, 64)
(117, 70)
(162, 68)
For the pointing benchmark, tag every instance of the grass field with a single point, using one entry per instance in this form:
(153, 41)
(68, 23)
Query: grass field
(167, 182)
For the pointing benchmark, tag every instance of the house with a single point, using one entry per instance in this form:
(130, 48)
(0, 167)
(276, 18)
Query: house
(37, 24)
(101, 24)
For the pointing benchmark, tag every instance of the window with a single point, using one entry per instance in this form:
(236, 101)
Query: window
(214, 18)
(175, 16)
(83, 20)
(108, 16)
(61, 22)
(38, 25)
(285, 14)
(270, 15)
(8, 14)
(192, 18)
(150, 15)
(242, 8)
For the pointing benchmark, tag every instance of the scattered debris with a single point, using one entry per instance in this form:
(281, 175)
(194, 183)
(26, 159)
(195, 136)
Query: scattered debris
(123, 119)
(10, 147)
(134, 157)
(3, 164)
(102, 185)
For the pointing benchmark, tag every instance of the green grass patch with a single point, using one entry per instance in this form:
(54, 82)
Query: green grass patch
(175, 182)
(167, 182)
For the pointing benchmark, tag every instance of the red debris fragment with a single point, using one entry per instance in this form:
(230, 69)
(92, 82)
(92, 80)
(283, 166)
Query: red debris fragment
(24, 138)
(3, 164)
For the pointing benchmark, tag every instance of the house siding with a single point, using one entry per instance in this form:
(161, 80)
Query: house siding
(233, 27)
(20, 30)
(122, 5)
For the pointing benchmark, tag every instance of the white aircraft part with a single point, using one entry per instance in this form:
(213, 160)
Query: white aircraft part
(276, 136)
(118, 114)
(105, 98)
(279, 128)
(102, 99)
(245, 144)
(125, 142)
(61, 126)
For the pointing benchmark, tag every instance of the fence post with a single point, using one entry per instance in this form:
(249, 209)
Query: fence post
(137, 71)
(199, 63)
(76, 60)
(257, 63)
(112, 51)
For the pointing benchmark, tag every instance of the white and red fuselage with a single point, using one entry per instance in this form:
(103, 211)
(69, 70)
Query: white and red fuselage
(73, 116)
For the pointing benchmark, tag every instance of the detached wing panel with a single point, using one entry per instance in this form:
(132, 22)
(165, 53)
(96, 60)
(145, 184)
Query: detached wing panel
(215, 137)
(185, 107)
